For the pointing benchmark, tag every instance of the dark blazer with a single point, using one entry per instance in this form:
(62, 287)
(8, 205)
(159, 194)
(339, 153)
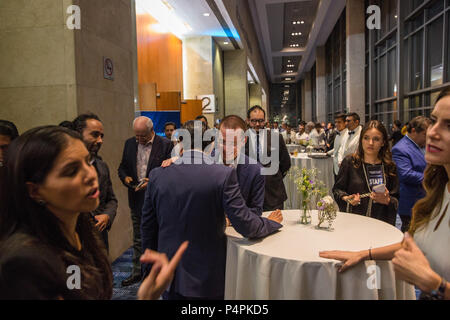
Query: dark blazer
(188, 202)
(108, 201)
(331, 136)
(411, 165)
(275, 191)
(351, 180)
(161, 150)
(252, 185)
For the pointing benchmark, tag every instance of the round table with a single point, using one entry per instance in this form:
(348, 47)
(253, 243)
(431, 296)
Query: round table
(325, 174)
(286, 265)
(294, 147)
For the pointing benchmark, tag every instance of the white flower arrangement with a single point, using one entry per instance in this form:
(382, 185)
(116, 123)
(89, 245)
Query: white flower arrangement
(327, 211)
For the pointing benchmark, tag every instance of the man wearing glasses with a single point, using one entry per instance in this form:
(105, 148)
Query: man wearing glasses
(350, 139)
(260, 144)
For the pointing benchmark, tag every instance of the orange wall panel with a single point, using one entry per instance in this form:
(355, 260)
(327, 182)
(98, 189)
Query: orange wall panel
(160, 57)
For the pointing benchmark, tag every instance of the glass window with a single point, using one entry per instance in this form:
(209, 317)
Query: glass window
(435, 64)
(383, 77)
(436, 8)
(392, 73)
(416, 61)
(415, 23)
(392, 14)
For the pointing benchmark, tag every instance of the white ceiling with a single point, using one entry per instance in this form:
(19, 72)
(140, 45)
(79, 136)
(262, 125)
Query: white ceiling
(273, 20)
(192, 12)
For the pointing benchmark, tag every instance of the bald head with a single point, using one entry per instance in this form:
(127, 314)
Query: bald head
(143, 129)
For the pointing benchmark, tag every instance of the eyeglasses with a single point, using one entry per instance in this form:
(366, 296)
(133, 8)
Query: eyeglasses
(255, 121)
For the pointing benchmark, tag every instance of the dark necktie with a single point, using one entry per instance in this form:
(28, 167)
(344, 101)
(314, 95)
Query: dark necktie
(257, 146)
(351, 132)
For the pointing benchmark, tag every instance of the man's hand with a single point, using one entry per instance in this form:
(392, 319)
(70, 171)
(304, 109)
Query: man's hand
(168, 162)
(128, 180)
(143, 186)
(102, 222)
(161, 274)
(276, 216)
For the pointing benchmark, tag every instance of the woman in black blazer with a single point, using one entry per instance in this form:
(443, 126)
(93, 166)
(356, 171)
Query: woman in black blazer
(365, 172)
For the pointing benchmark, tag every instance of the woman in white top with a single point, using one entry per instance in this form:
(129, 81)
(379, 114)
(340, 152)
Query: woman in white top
(423, 258)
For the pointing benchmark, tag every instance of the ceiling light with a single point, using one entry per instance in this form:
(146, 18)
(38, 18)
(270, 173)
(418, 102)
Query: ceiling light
(226, 42)
(164, 13)
(302, 22)
(206, 14)
(288, 79)
(295, 22)
(167, 5)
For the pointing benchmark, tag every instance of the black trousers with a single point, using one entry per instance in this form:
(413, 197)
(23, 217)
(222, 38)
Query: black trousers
(406, 220)
(273, 208)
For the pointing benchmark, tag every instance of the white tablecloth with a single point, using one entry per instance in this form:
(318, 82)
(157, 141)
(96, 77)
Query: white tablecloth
(325, 174)
(292, 147)
(286, 265)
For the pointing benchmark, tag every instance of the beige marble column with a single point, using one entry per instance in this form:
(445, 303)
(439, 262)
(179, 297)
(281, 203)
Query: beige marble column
(355, 28)
(321, 84)
(307, 98)
(37, 63)
(51, 73)
(255, 95)
(203, 72)
(236, 87)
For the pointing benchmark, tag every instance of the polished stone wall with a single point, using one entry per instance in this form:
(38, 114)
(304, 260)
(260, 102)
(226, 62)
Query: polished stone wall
(50, 73)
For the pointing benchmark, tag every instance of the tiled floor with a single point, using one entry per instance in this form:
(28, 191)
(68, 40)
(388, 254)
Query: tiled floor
(122, 270)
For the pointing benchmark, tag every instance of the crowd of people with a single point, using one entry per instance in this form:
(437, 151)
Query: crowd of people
(57, 201)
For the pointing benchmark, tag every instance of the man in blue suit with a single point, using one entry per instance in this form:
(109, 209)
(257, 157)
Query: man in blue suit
(187, 201)
(409, 156)
(251, 182)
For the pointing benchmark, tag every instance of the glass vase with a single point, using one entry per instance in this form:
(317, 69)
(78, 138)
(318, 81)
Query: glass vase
(305, 217)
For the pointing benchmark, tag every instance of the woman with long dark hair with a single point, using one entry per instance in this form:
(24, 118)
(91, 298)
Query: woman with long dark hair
(49, 248)
(367, 182)
(423, 258)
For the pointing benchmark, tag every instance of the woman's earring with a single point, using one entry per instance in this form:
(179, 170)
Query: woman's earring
(42, 202)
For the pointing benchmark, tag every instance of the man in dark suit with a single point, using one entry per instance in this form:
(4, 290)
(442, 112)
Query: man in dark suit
(194, 210)
(409, 156)
(91, 130)
(251, 181)
(141, 155)
(260, 147)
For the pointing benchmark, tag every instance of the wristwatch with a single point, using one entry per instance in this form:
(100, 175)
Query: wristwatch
(439, 294)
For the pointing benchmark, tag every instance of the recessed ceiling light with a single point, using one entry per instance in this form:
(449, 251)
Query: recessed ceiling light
(302, 22)
(295, 22)
(226, 42)
(206, 14)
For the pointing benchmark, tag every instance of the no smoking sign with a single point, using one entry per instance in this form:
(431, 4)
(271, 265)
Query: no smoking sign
(108, 68)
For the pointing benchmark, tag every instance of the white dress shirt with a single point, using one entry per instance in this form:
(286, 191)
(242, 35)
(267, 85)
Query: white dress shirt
(143, 156)
(349, 143)
(335, 151)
